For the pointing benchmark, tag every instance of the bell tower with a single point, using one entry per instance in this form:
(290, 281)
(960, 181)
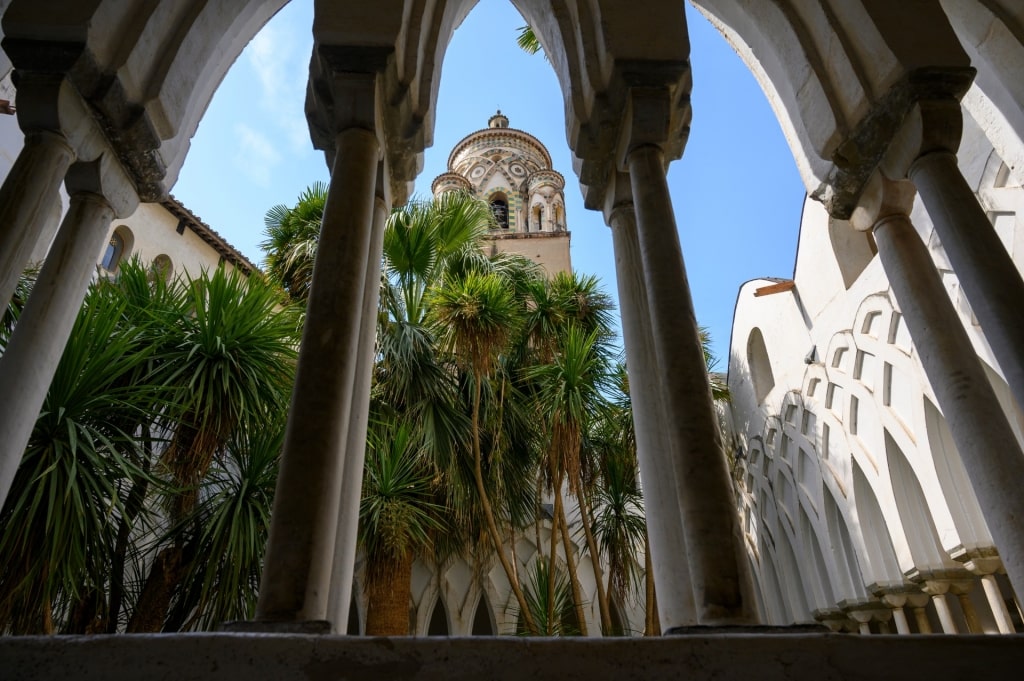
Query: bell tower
(511, 170)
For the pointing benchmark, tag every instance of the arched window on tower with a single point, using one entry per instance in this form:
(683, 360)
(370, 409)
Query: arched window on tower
(538, 218)
(499, 207)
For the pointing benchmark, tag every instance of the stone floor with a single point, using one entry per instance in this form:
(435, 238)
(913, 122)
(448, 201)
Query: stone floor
(260, 657)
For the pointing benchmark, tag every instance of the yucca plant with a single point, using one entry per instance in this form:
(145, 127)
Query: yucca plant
(229, 362)
(61, 517)
(550, 600)
(232, 521)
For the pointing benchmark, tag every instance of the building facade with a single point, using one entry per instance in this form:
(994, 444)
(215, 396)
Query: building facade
(511, 170)
(871, 96)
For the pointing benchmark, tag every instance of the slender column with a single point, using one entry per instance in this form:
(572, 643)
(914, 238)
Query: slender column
(863, 620)
(997, 604)
(722, 584)
(35, 348)
(962, 589)
(654, 453)
(982, 264)
(27, 199)
(983, 437)
(938, 595)
(918, 604)
(896, 602)
(355, 447)
(297, 569)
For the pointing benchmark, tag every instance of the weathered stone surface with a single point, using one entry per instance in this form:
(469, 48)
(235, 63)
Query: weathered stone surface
(256, 657)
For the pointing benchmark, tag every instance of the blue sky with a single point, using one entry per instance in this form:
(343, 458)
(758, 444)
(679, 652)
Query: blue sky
(736, 191)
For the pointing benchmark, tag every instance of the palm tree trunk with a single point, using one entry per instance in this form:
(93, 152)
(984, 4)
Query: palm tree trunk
(595, 560)
(553, 562)
(574, 578)
(155, 599)
(388, 595)
(492, 527)
(652, 627)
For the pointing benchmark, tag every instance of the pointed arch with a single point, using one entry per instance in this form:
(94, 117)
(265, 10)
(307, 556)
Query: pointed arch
(922, 536)
(881, 563)
(483, 619)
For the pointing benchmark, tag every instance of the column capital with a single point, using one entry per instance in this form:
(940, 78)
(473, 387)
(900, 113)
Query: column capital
(982, 560)
(882, 198)
(105, 178)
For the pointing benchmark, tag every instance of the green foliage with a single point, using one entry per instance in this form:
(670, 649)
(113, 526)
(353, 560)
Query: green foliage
(60, 516)
(527, 40)
(206, 363)
(398, 514)
(292, 237)
(537, 597)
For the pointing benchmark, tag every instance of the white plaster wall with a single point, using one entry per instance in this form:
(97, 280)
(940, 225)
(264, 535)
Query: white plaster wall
(155, 231)
(836, 422)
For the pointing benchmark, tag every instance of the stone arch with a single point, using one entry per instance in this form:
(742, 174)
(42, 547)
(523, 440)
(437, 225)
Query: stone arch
(922, 536)
(167, 59)
(956, 486)
(760, 365)
(795, 583)
(881, 564)
(850, 581)
(992, 34)
(817, 577)
(438, 623)
(483, 618)
(776, 606)
(823, 67)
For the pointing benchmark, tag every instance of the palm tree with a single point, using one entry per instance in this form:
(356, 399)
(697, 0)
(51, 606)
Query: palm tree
(570, 393)
(477, 315)
(399, 518)
(292, 237)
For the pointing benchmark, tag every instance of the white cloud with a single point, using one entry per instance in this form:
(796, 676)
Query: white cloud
(255, 155)
(280, 58)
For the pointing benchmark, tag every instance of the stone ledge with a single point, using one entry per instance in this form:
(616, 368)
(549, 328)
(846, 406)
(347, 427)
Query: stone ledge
(266, 657)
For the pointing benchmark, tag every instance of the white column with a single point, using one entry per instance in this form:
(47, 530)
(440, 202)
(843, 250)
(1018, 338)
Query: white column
(28, 198)
(983, 437)
(962, 590)
(35, 348)
(297, 571)
(918, 603)
(982, 264)
(653, 450)
(355, 447)
(722, 584)
(997, 604)
(945, 616)
(896, 601)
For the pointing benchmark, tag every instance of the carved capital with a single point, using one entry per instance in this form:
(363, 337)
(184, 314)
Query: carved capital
(885, 136)
(103, 177)
(882, 199)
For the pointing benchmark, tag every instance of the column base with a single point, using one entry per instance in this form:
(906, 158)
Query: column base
(271, 627)
(706, 629)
